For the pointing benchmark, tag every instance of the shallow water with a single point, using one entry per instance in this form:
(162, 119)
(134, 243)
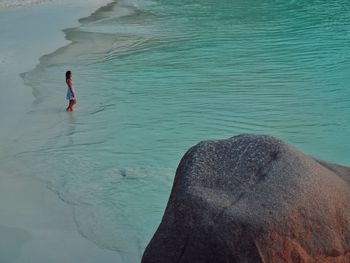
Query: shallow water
(154, 78)
(22, 3)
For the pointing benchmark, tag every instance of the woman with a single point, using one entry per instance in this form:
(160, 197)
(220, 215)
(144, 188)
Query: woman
(70, 92)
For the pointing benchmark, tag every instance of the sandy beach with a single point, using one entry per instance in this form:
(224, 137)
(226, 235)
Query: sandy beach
(153, 78)
(35, 225)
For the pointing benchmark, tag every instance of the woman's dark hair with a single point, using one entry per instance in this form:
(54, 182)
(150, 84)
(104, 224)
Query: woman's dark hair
(68, 74)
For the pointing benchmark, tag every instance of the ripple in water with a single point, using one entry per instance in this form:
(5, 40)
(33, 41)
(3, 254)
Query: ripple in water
(154, 78)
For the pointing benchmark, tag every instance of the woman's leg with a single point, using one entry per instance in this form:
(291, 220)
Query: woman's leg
(73, 103)
(68, 109)
(70, 106)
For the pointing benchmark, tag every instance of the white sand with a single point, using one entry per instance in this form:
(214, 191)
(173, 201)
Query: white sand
(35, 225)
(26, 34)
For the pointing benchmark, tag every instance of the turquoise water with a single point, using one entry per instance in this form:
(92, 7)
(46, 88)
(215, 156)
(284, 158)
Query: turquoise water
(155, 78)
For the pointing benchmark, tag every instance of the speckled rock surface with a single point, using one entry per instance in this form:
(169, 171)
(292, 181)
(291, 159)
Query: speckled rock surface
(254, 199)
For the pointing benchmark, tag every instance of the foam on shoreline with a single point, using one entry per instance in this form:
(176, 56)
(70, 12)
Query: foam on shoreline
(22, 3)
(26, 35)
(35, 225)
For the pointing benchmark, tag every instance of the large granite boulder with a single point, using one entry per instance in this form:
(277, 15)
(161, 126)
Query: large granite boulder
(254, 199)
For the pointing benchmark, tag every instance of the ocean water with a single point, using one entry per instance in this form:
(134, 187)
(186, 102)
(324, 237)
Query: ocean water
(22, 3)
(155, 77)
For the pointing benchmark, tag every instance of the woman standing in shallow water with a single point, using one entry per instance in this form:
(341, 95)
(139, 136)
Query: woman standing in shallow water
(70, 92)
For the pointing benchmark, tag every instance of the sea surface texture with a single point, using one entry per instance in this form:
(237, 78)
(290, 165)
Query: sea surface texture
(153, 78)
(23, 3)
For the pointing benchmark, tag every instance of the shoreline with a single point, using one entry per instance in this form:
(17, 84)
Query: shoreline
(25, 40)
(35, 224)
